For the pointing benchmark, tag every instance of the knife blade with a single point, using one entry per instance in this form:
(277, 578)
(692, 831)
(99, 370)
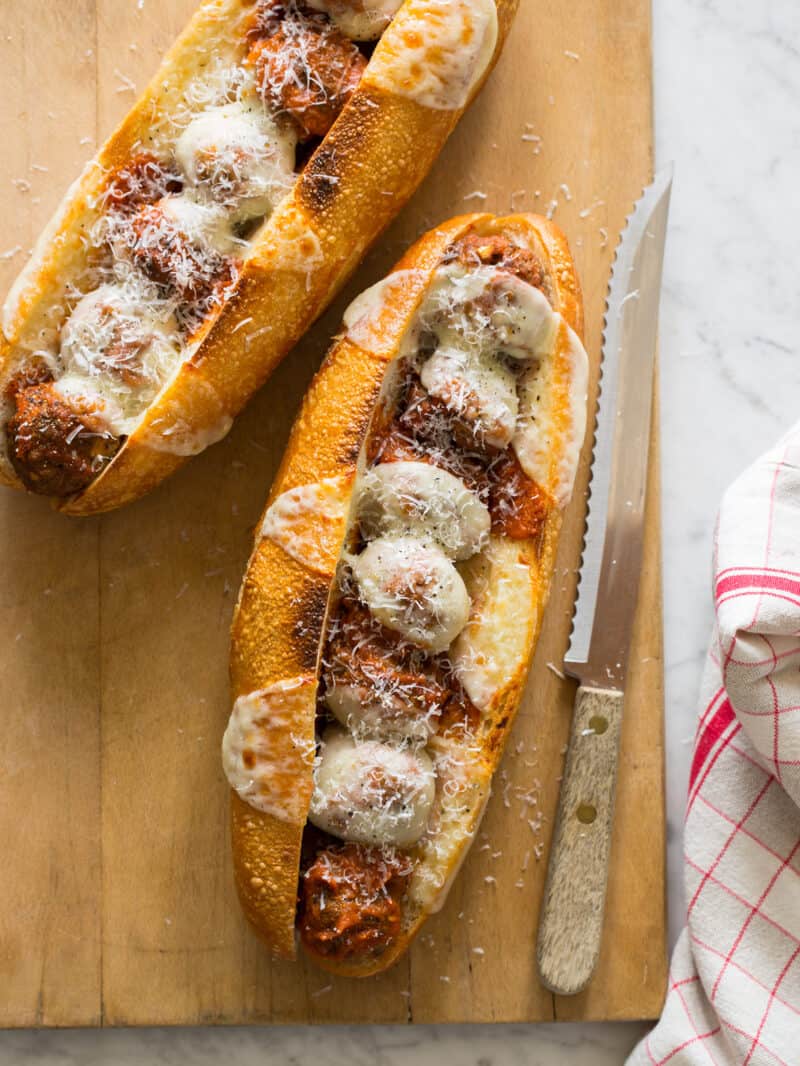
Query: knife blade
(570, 929)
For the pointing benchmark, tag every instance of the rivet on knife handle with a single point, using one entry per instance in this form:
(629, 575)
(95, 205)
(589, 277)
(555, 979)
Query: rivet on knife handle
(571, 926)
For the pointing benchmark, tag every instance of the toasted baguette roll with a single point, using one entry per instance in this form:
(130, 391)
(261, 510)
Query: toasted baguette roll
(200, 212)
(338, 806)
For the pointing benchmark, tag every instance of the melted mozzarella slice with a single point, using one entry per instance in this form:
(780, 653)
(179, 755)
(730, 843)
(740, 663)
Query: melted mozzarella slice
(493, 649)
(369, 712)
(360, 20)
(235, 156)
(522, 322)
(463, 785)
(117, 329)
(478, 387)
(309, 522)
(118, 348)
(95, 393)
(204, 225)
(413, 588)
(419, 499)
(370, 320)
(552, 417)
(268, 749)
(489, 309)
(436, 51)
(371, 793)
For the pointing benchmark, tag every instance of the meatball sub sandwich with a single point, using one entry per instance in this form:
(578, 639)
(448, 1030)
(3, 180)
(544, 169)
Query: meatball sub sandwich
(396, 587)
(276, 141)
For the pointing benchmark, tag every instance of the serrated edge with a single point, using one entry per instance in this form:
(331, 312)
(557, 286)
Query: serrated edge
(662, 177)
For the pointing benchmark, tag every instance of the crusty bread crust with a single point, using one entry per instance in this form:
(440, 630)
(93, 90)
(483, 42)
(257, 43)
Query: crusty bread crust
(281, 616)
(367, 167)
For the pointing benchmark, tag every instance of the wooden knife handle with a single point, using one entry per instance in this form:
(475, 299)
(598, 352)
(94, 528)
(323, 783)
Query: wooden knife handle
(571, 925)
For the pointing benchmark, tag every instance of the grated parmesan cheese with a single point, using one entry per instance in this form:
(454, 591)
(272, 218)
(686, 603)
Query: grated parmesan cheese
(126, 85)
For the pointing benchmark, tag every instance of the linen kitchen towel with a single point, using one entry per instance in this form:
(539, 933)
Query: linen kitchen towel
(734, 988)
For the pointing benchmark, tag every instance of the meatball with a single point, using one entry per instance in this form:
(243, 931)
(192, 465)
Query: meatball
(267, 18)
(486, 309)
(377, 685)
(308, 69)
(177, 244)
(55, 448)
(233, 155)
(361, 20)
(112, 333)
(416, 498)
(475, 250)
(370, 792)
(142, 180)
(34, 372)
(478, 388)
(412, 588)
(423, 430)
(350, 902)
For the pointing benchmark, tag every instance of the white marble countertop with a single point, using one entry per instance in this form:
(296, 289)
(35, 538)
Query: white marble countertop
(727, 85)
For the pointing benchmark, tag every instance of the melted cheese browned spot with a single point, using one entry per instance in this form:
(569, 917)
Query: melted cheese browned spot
(369, 318)
(268, 748)
(309, 522)
(436, 51)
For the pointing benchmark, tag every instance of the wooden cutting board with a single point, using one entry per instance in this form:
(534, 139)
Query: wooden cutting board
(118, 905)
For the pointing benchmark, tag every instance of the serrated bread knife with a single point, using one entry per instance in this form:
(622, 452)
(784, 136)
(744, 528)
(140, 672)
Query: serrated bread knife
(571, 925)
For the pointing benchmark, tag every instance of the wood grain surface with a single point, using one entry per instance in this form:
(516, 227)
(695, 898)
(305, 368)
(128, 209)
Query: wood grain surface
(118, 906)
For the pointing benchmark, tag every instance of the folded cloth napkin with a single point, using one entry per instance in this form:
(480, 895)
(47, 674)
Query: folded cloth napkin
(734, 987)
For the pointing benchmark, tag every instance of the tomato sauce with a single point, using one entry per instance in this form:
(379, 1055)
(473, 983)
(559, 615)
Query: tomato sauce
(350, 901)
